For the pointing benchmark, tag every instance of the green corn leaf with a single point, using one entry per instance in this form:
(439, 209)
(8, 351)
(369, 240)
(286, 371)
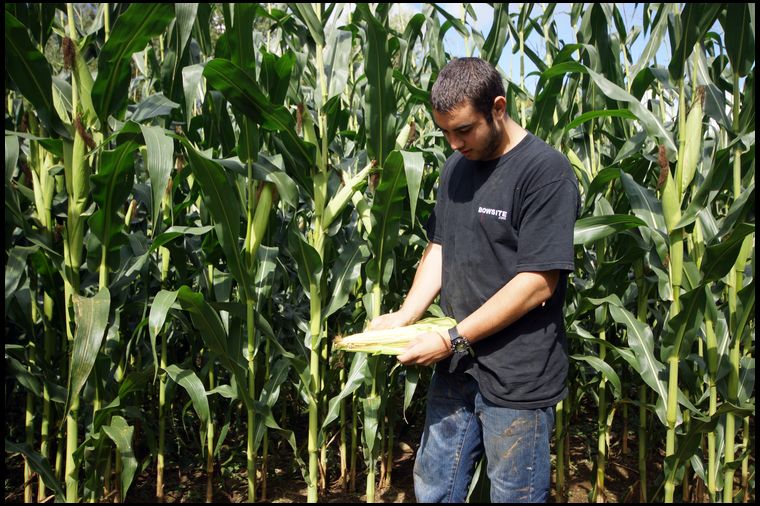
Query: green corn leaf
(15, 270)
(647, 207)
(297, 362)
(276, 72)
(172, 233)
(306, 14)
(387, 208)
(38, 463)
(206, 320)
(194, 387)
(211, 330)
(270, 393)
(654, 40)
(38, 18)
(357, 375)
(245, 94)
(185, 17)
(740, 208)
(498, 35)
(122, 434)
(418, 95)
(132, 31)
(174, 57)
(654, 126)
(306, 257)
(380, 100)
(153, 106)
(609, 55)
(278, 374)
(708, 189)
(412, 32)
(681, 329)
(745, 311)
(15, 369)
(414, 166)
(371, 406)
(267, 168)
(411, 379)
(110, 188)
(605, 369)
(720, 258)
(160, 161)
(740, 37)
(345, 272)
(225, 209)
(591, 229)
(192, 76)
(601, 182)
(652, 371)
(457, 24)
(715, 101)
(91, 317)
(549, 88)
(11, 156)
(31, 72)
(265, 273)
(746, 380)
(615, 113)
(341, 198)
(337, 58)
(162, 302)
(696, 20)
(689, 444)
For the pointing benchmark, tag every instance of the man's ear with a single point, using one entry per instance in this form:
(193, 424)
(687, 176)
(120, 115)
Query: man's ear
(499, 106)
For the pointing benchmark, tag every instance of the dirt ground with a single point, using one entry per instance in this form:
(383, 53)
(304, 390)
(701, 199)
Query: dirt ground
(187, 483)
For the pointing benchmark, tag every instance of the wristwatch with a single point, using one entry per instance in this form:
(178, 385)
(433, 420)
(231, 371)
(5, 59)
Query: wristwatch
(459, 344)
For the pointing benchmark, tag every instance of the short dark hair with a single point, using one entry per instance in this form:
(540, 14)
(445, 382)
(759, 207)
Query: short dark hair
(465, 79)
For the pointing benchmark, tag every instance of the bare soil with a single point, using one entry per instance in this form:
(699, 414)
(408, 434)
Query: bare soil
(188, 482)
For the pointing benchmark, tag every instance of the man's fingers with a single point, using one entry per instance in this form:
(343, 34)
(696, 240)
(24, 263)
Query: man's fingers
(376, 323)
(407, 357)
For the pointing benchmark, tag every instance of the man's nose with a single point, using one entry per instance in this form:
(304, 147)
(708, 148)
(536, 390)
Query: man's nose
(455, 142)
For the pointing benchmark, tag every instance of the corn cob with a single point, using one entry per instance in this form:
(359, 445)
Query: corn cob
(391, 341)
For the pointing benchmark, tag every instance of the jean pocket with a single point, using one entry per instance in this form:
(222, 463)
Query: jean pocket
(448, 386)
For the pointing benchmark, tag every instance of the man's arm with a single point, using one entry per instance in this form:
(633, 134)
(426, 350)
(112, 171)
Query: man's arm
(425, 288)
(524, 292)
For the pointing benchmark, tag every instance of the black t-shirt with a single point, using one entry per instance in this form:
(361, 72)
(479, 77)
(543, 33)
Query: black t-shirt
(493, 220)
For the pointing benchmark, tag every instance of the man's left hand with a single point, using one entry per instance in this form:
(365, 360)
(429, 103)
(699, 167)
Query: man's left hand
(426, 349)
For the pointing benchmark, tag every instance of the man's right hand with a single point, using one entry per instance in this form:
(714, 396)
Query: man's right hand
(390, 321)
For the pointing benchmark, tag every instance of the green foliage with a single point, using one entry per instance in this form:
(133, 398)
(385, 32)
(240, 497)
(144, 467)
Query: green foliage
(331, 107)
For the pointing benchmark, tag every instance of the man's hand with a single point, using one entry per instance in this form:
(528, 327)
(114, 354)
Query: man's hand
(426, 349)
(390, 321)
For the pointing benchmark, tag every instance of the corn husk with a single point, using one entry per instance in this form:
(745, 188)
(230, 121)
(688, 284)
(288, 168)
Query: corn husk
(391, 341)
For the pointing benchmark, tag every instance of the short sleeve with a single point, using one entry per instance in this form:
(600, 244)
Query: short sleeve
(433, 228)
(547, 222)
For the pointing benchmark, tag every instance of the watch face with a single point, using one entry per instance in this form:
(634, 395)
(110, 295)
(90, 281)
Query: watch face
(460, 344)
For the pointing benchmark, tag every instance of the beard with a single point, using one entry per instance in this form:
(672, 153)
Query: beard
(492, 143)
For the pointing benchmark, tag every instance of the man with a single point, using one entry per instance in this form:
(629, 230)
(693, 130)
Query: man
(501, 245)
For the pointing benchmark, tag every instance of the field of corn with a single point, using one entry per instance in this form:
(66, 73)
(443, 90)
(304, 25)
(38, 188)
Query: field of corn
(200, 197)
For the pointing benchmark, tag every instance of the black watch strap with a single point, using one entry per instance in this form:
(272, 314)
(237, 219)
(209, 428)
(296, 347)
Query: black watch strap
(461, 347)
(459, 344)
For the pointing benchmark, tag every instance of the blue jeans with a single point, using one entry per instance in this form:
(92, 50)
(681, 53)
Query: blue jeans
(460, 425)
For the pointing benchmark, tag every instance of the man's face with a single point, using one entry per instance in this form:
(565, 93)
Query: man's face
(468, 132)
